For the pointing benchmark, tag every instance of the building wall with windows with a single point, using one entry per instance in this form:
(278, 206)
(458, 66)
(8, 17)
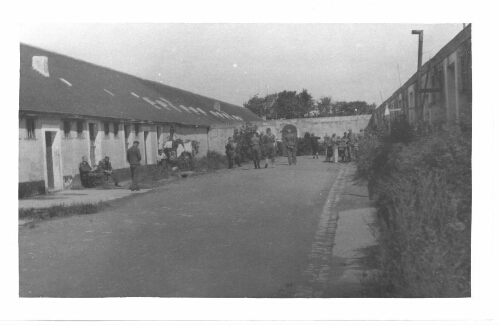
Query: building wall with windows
(70, 146)
(69, 108)
(30, 151)
(447, 81)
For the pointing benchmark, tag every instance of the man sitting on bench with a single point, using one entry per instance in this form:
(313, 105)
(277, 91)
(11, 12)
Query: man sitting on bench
(88, 176)
(105, 169)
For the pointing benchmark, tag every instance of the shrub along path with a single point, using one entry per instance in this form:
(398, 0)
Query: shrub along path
(233, 233)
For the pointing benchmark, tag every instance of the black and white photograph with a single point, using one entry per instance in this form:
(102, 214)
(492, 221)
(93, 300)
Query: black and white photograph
(230, 165)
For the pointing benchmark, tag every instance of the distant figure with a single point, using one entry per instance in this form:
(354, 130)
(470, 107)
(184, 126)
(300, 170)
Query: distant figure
(291, 147)
(237, 152)
(230, 152)
(361, 134)
(106, 169)
(326, 143)
(343, 148)
(351, 144)
(134, 159)
(335, 147)
(162, 162)
(269, 147)
(255, 141)
(315, 146)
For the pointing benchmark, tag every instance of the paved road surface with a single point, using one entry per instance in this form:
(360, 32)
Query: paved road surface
(236, 233)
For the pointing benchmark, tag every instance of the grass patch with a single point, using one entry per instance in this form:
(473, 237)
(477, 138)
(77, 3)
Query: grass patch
(34, 214)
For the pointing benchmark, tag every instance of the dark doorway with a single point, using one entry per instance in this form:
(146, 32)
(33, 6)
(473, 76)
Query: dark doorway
(49, 140)
(92, 136)
(146, 135)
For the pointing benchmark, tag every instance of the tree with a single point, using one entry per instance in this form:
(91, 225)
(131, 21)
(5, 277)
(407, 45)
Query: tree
(256, 105)
(290, 104)
(353, 108)
(325, 107)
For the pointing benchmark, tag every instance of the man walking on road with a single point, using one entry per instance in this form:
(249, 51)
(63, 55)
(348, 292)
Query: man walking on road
(134, 159)
(291, 147)
(255, 141)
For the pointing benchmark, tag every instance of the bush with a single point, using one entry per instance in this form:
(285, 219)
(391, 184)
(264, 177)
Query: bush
(421, 184)
(242, 138)
(212, 161)
(304, 147)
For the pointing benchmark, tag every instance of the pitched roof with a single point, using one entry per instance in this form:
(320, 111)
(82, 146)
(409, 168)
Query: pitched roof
(80, 88)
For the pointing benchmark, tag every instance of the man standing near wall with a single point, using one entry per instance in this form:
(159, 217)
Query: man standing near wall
(134, 159)
(291, 147)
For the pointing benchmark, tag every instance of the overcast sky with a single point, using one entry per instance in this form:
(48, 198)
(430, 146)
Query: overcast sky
(233, 62)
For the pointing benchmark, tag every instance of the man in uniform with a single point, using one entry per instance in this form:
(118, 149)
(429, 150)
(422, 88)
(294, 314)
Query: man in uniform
(230, 152)
(351, 142)
(315, 146)
(88, 176)
(255, 141)
(269, 143)
(106, 169)
(291, 147)
(134, 159)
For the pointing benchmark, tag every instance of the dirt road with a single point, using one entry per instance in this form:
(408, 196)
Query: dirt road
(235, 233)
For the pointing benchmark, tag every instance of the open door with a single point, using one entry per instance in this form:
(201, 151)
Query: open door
(146, 142)
(53, 162)
(92, 136)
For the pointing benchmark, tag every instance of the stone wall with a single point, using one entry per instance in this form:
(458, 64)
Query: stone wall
(319, 126)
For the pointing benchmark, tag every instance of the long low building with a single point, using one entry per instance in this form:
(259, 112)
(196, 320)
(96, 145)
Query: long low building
(69, 108)
(445, 92)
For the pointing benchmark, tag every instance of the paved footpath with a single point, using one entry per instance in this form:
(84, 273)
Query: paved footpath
(235, 233)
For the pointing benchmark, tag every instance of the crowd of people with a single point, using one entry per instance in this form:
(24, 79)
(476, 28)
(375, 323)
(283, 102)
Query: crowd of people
(338, 149)
(262, 145)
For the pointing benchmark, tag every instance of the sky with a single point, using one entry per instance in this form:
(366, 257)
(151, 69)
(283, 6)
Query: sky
(233, 62)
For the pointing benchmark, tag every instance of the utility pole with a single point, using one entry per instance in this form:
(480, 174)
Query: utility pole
(417, 90)
(399, 75)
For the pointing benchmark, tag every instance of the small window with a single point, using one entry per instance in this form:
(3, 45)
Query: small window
(79, 129)
(136, 129)
(30, 127)
(67, 129)
(106, 130)
(115, 129)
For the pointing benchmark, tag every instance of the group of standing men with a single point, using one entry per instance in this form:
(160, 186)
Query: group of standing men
(338, 149)
(262, 145)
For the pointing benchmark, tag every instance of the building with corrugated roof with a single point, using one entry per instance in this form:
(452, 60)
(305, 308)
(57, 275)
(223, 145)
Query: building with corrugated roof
(69, 108)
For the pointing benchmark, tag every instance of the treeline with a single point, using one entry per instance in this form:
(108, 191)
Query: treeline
(290, 104)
